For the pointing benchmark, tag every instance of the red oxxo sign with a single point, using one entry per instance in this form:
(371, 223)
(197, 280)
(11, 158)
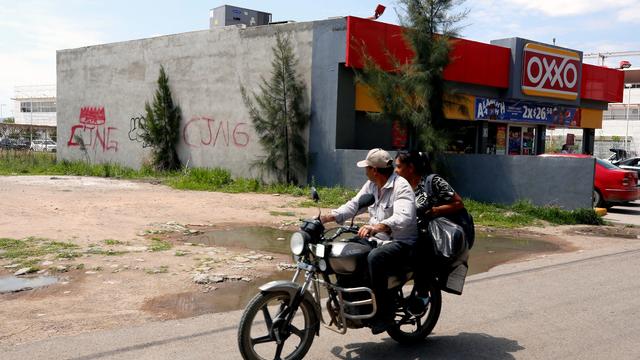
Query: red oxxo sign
(550, 72)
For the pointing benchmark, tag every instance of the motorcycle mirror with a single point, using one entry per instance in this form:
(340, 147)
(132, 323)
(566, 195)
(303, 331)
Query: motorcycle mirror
(365, 200)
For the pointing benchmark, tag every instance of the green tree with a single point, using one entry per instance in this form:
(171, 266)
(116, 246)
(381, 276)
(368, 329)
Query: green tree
(414, 93)
(279, 115)
(161, 128)
(9, 120)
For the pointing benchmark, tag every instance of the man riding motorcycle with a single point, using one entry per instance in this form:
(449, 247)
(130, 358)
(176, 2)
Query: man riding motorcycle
(392, 225)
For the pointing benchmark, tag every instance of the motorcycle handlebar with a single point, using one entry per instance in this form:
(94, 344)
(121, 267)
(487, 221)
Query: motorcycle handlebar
(345, 229)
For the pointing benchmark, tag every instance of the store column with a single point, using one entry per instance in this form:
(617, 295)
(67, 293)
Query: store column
(588, 139)
(482, 137)
(541, 135)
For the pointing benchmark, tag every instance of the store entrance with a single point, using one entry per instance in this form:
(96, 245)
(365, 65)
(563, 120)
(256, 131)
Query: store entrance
(521, 140)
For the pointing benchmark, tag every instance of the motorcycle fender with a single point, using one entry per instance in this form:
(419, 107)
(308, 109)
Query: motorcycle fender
(292, 289)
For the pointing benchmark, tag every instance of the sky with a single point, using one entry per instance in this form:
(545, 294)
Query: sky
(32, 30)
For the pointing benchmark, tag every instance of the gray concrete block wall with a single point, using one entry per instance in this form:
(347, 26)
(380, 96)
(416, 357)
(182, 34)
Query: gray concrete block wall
(205, 69)
(565, 182)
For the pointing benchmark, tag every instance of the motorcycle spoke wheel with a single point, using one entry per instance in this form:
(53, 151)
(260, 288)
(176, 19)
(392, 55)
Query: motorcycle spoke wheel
(410, 328)
(263, 333)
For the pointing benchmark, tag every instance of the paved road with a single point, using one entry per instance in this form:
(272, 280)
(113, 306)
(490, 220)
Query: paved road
(580, 305)
(628, 214)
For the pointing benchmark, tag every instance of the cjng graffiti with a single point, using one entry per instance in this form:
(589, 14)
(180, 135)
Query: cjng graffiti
(91, 132)
(202, 131)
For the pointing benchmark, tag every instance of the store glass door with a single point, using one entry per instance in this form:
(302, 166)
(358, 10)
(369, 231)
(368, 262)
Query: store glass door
(515, 140)
(521, 140)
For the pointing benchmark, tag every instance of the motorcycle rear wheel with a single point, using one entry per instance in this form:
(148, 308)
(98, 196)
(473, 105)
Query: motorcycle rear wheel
(257, 339)
(410, 328)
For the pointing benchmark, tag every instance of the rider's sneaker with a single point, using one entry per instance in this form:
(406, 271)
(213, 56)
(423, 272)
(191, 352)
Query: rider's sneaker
(379, 326)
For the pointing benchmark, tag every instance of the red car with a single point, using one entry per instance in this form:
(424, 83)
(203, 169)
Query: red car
(611, 184)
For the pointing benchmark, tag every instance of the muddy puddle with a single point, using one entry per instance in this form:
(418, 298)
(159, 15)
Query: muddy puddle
(491, 250)
(488, 251)
(228, 297)
(12, 284)
(252, 237)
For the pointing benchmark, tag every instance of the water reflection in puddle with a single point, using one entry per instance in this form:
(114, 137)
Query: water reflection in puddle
(253, 237)
(9, 284)
(230, 296)
(488, 251)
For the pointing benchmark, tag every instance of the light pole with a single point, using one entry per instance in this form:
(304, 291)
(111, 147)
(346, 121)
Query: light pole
(31, 126)
(624, 64)
(626, 141)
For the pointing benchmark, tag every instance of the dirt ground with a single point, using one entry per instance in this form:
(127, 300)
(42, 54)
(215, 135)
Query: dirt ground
(118, 280)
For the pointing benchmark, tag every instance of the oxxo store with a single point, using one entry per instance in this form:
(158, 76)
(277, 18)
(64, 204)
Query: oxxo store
(513, 89)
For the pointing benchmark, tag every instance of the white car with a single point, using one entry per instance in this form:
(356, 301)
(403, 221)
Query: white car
(43, 145)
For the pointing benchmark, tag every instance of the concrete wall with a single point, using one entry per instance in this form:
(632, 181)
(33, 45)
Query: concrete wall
(205, 69)
(566, 182)
(329, 41)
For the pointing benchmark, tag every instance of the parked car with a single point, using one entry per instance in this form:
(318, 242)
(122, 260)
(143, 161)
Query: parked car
(611, 185)
(618, 155)
(43, 145)
(632, 164)
(7, 143)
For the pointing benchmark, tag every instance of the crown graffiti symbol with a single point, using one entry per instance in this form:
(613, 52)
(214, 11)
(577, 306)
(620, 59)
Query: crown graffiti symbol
(92, 115)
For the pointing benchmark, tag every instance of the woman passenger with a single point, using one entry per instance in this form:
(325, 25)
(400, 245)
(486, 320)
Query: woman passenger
(442, 200)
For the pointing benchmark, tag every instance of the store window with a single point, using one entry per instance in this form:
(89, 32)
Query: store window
(463, 136)
(38, 106)
(503, 139)
(25, 106)
(496, 139)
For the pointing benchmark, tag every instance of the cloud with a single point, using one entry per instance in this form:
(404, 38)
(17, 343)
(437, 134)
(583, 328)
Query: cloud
(572, 7)
(31, 34)
(630, 13)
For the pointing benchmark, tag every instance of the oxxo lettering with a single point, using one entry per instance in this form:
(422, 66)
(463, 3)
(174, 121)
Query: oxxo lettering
(550, 72)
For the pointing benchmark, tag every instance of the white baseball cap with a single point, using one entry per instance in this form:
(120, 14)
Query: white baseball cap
(377, 158)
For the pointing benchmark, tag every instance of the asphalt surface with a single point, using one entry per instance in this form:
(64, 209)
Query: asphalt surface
(627, 214)
(579, 305)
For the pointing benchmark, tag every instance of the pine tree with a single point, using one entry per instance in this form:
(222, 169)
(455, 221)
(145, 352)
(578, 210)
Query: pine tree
(414, 93)
(161, 127)
(279, 117)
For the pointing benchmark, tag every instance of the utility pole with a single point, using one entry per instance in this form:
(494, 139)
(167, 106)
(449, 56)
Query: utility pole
(626, 136)
(31, 126)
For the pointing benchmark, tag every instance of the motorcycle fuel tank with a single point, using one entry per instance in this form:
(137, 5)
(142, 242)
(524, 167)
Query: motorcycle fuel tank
(345, 256)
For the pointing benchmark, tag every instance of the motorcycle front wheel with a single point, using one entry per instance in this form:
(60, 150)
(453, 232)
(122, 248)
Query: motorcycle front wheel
(263, 332)
(412, 326)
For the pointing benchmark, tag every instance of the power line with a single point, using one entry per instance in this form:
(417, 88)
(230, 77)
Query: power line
(612, 54)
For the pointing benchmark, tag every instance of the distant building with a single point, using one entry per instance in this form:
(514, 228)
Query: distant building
(227, 15)
(35, 105)
(622, 120)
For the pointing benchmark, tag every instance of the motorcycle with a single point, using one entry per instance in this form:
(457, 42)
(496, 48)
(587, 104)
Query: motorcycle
(281, 321)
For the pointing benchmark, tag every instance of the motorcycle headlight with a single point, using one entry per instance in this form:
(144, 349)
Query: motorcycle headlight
(298, 243)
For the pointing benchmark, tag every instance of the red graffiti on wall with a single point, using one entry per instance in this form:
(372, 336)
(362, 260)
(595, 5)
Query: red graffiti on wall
(205, 131)
(92, 132)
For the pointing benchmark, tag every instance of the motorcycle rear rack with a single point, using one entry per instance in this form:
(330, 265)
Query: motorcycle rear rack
(351, 304)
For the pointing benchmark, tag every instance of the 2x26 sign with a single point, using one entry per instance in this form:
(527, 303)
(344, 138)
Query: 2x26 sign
(550, 72)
